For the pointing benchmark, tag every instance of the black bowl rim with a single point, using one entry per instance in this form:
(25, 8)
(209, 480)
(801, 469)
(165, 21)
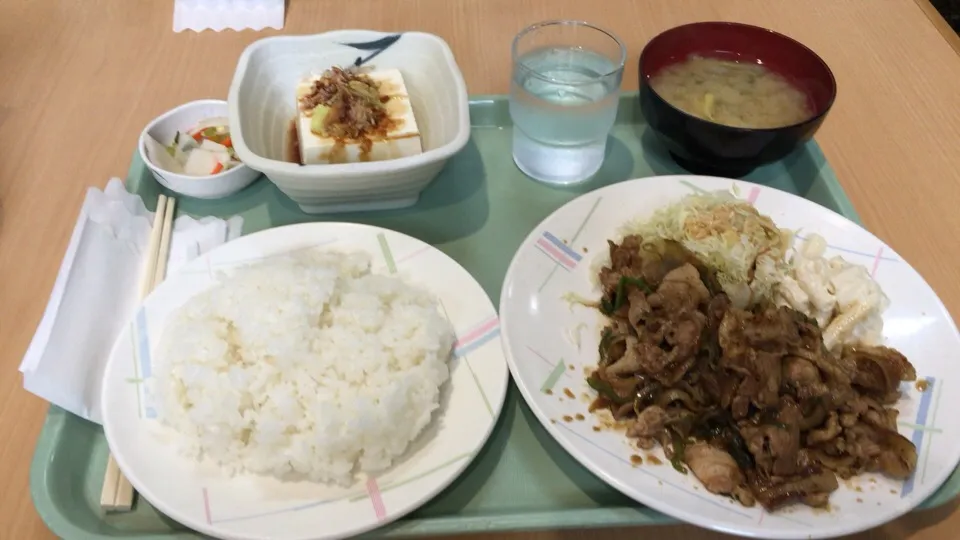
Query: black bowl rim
(815, 118)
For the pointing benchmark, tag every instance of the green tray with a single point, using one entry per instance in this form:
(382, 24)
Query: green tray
(478, 211)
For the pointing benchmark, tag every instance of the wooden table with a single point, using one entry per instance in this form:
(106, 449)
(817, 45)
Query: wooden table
(82, 77)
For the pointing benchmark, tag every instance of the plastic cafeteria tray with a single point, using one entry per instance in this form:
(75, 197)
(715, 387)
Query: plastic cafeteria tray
(478, 211)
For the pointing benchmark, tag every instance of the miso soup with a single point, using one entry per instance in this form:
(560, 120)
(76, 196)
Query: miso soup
(731, 93)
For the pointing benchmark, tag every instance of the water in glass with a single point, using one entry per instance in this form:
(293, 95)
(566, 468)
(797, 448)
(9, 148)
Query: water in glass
(563, 102)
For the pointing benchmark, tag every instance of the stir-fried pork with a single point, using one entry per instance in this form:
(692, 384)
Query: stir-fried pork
(749, 399)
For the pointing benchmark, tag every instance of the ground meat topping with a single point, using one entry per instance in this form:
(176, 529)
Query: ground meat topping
(352, 105)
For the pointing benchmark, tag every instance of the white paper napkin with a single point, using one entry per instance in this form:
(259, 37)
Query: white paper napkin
(217, 15)
(97, 291)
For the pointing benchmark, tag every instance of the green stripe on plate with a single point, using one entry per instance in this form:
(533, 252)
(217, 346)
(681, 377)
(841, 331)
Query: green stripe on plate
(387, 254)
(933, 422)
(554, 376)
(477, 382)
(136, 368)
(917, 427)
(593, 209)
(693, 186)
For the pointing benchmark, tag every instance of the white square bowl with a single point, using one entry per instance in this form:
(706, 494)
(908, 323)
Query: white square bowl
(262, 103)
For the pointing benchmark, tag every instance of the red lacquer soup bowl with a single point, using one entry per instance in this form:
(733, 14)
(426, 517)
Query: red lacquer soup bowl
(705, 147)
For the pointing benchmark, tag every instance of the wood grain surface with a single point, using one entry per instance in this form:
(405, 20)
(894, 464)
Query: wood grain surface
(936, 11)
(80, 79)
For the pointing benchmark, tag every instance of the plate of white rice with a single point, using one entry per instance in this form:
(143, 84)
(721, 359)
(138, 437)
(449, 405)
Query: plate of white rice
(306, 382)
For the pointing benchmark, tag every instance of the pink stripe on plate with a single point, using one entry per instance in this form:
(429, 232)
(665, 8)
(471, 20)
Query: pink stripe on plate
(876, 262)
(477, 332)
(409, 256)
(560, 256)
(206, 506)
(373, 490)
(753, 195)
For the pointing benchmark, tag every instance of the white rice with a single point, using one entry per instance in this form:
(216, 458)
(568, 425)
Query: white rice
(304, 366)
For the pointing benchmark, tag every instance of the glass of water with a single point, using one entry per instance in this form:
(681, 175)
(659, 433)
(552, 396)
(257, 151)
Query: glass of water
(563, 99)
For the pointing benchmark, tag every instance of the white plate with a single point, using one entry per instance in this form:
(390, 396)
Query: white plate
(249, 507)
(549, 342)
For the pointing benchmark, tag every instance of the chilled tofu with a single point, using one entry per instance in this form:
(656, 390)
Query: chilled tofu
(402, 140)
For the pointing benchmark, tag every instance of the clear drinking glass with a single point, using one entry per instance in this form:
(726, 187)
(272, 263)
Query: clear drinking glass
(563, 99)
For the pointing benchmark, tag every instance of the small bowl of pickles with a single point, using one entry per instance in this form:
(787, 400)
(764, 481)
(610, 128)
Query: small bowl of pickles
(189, 151)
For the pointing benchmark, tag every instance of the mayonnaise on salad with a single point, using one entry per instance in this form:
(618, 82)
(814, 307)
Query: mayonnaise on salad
(843, 297)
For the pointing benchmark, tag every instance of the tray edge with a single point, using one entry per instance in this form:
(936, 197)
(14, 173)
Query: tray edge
(600, 517)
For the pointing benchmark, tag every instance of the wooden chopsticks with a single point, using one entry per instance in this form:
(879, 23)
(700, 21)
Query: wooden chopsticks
(117, 493)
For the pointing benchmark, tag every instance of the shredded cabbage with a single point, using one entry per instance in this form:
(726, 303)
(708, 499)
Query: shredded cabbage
(727, 233)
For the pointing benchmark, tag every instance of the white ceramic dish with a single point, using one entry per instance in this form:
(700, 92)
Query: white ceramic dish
(550, 342)
(262, 104)
(185, 117)
(248, 507)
